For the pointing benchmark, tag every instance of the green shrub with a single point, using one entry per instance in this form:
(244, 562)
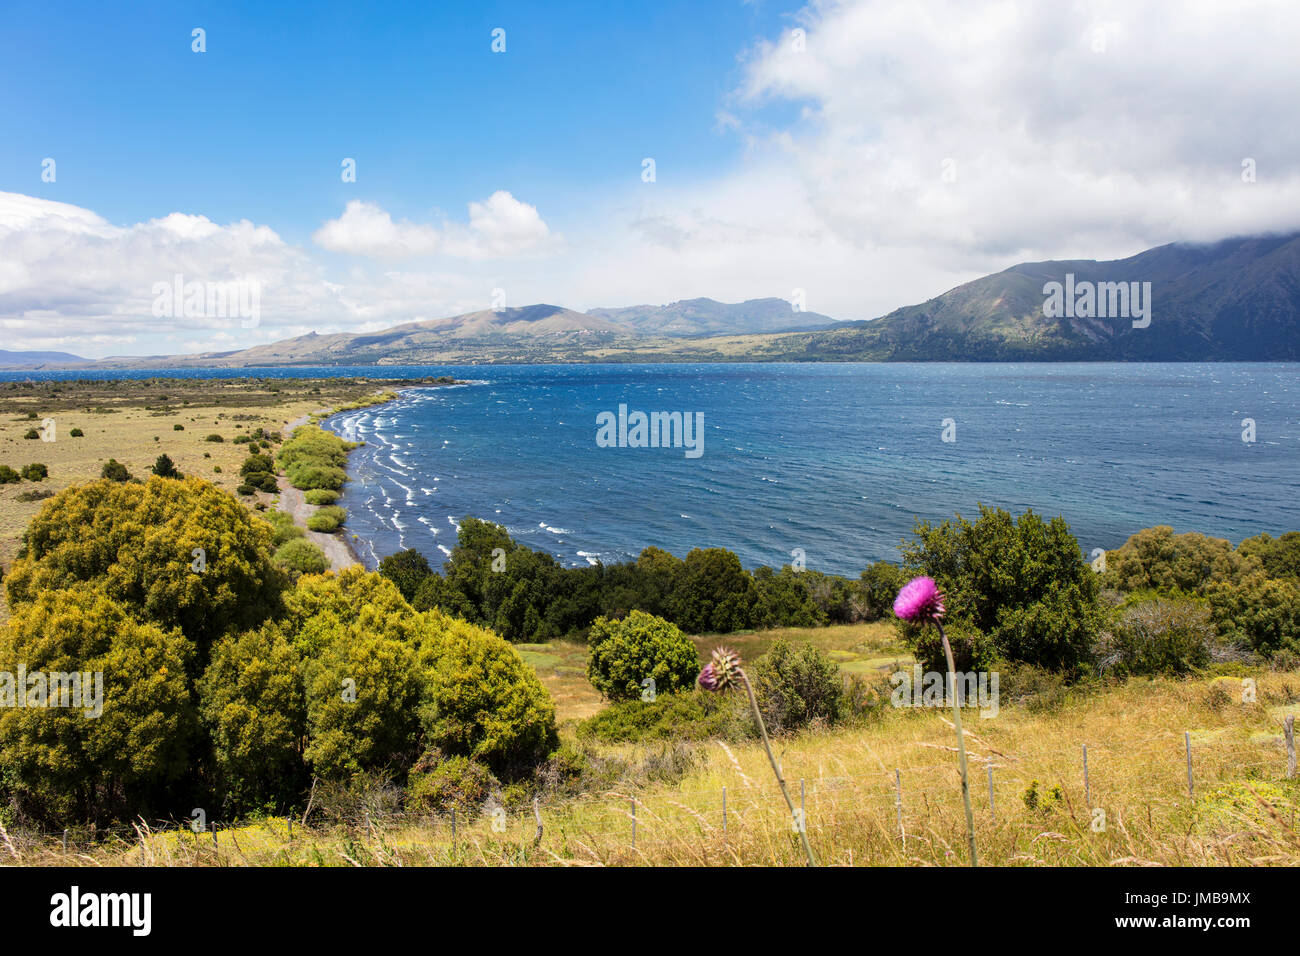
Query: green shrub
(178, 427)
(305, 476)
(641, 647)
(34, 495)
(1157, 636)
(321, 496)
(327, 519)
(263, 482)
(214, 438)
(257, 463)
(797, 688)
(440, 784)
(246, 489)
(61, 765)
(691, 716)
(135, 542)
(164, 467)
(482, 700)
(35, 472)
(8, 476)
(282, 527)
(76, 433)
(252, 703)
(114, 470)
(31, 433)
(1021, 582)
(301, 556)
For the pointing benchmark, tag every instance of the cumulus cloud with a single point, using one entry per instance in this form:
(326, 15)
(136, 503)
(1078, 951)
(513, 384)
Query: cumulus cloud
(499, 227)
(1013, 127)
(71, 280)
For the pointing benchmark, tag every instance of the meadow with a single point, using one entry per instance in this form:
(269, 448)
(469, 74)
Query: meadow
(135, 421)
(1242, 810)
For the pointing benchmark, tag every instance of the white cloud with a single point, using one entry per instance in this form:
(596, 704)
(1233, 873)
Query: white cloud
(499, 227)
(70, 280)
(364, 229)
(1090, 129)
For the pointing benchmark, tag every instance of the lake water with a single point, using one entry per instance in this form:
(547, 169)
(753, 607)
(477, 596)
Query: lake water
(836, 460)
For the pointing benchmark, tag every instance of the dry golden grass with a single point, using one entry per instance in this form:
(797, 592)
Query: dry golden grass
(1243, 813)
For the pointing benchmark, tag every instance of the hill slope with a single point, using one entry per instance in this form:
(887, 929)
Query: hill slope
(1235, 300)
(690, 317)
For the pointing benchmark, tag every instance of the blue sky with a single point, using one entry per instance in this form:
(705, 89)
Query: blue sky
(257, 126)
(858, 155)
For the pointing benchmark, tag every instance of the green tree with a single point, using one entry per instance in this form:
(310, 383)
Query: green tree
(253, 705)
(164, 467)
(784, 601)
(180, 553)
(482, 701)
(363, 704)
(1022, 582)
(1156, 559)
(61, 763)
(624, 654)
(407, 569)
(714, 594)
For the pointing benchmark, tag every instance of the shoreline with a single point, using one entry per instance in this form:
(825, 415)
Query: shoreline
(338, 546)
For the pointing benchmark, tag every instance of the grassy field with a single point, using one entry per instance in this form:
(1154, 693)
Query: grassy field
(134, 422)
(1242, 811)
(857, 648)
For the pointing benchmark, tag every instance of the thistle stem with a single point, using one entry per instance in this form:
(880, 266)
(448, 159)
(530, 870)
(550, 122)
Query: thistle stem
(776, 768)
(961, 744)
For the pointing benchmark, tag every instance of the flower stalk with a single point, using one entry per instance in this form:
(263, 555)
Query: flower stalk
(723, 672)
(921, 600)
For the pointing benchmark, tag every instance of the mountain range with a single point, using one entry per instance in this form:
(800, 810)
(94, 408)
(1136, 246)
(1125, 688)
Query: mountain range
(1233, 300)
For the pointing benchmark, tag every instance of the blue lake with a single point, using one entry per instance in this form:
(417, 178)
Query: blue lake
(838, 460)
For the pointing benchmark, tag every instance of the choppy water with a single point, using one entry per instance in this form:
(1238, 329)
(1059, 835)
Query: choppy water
(838, 460)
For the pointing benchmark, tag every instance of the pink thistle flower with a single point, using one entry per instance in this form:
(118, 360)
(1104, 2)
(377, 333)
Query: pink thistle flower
(919, 600)
(708, 679)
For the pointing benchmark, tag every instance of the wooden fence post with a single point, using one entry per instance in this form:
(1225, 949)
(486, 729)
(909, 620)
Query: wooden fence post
(1087, 790)
(1187, 738)
(634, 823)
(724, 812)
(898, 804)
(537, 813)
(992, 810)
(1289, 727)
